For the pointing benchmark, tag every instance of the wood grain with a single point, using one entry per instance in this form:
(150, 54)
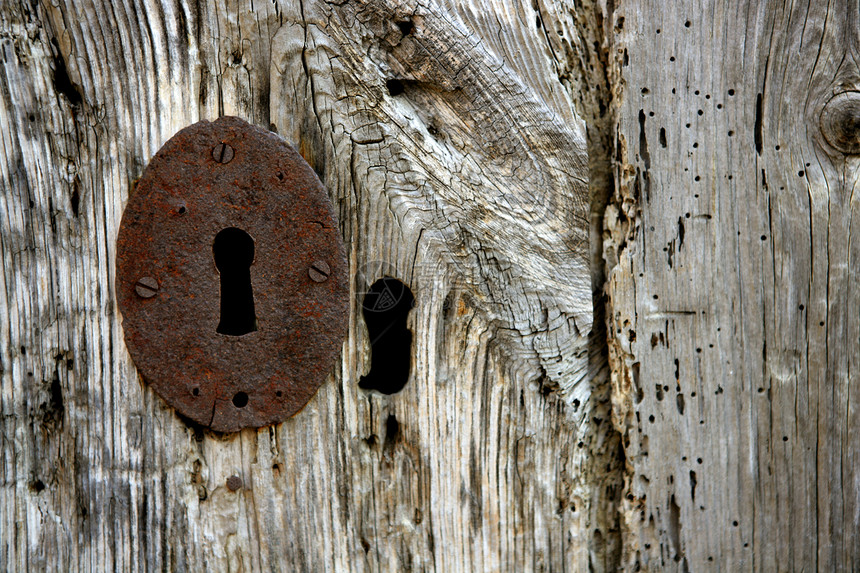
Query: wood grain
(455, 163)
(734, 296)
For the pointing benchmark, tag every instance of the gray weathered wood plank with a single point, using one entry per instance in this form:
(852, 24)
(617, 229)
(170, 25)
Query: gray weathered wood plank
(734, 296)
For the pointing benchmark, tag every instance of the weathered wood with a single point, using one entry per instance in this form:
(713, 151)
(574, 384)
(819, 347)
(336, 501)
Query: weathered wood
(734, 295)
(447, 137)
(450, 149)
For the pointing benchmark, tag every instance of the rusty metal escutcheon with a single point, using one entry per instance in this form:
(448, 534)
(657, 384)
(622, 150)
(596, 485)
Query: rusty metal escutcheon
(231, 276)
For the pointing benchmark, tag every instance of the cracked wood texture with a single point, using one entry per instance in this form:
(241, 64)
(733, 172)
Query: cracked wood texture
(447, 138)
(734, 286)
(712, 191)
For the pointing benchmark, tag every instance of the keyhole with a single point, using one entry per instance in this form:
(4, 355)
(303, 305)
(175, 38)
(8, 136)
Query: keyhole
(234, 253)
(386, 306)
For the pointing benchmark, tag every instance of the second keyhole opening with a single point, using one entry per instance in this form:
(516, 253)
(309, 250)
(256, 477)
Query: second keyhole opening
(385, 309)
(234, 252)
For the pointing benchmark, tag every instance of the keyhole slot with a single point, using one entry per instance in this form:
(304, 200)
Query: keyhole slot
(386, 307)
(234, 253)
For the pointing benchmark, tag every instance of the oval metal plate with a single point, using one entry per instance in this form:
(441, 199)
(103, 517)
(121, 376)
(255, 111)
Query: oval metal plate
(169, 287)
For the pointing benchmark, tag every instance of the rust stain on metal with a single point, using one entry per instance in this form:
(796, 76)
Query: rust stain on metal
(209, 177)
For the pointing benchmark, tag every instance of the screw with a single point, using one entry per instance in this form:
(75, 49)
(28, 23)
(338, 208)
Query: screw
(319, 271)
(234, 483)
(222, 153)
(146, 287)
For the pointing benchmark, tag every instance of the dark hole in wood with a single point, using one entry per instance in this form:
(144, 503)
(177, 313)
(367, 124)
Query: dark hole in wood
(395, 87)
(53, 411)
(406, 27)
(385, 308)
(392, 431)
(76, 200)
(234, 253)
(240, 399)
(757, 130)
(62, 83)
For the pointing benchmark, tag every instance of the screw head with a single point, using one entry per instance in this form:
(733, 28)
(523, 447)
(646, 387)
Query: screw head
(146, 287)
(319, 271)
(234, 483)
(222, 153)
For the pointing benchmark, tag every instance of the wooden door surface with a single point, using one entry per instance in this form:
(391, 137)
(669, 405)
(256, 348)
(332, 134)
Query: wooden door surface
(627, 230)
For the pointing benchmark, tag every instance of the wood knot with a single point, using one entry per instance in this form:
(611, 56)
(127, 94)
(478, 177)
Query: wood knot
(840, 122)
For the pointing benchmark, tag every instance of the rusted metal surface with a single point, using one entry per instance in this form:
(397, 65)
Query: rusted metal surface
(234, 483)
(207, 178)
